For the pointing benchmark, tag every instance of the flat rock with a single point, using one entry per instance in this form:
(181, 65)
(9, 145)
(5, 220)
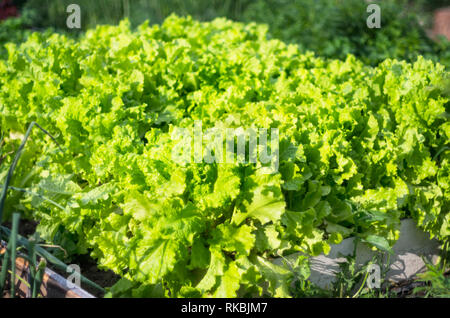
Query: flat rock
(409, 251)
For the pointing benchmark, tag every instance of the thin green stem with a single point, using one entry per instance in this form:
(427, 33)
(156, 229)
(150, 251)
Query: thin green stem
(39, 276)
(362, 285)
(440, 151)
(13, 240)
(40, 196)
(15, 161)
(32, 255)
(5, 267)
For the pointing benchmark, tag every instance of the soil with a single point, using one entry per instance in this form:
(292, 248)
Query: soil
(26, 227)
(90, 270)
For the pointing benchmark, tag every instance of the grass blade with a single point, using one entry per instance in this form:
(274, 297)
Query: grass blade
(39, 276)
(5, 267)
(51, 258)
(14, 164)
(32, 262)
(13, 242)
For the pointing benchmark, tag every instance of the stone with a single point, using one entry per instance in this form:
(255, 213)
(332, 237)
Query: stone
(412, 247)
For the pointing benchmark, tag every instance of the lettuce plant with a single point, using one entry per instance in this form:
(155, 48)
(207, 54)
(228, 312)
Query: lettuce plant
(360, 147)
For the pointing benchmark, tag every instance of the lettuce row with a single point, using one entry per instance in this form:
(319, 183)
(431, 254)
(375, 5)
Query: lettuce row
(360, 148)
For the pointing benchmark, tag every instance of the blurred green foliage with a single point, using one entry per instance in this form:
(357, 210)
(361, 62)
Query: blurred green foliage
(13, 30)
(331, 28)
(335, 28)
(52, 12)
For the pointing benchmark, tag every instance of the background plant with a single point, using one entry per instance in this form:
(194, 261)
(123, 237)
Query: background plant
(330, 28)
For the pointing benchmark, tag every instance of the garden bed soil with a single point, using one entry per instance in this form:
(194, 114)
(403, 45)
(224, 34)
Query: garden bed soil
(90, 270)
